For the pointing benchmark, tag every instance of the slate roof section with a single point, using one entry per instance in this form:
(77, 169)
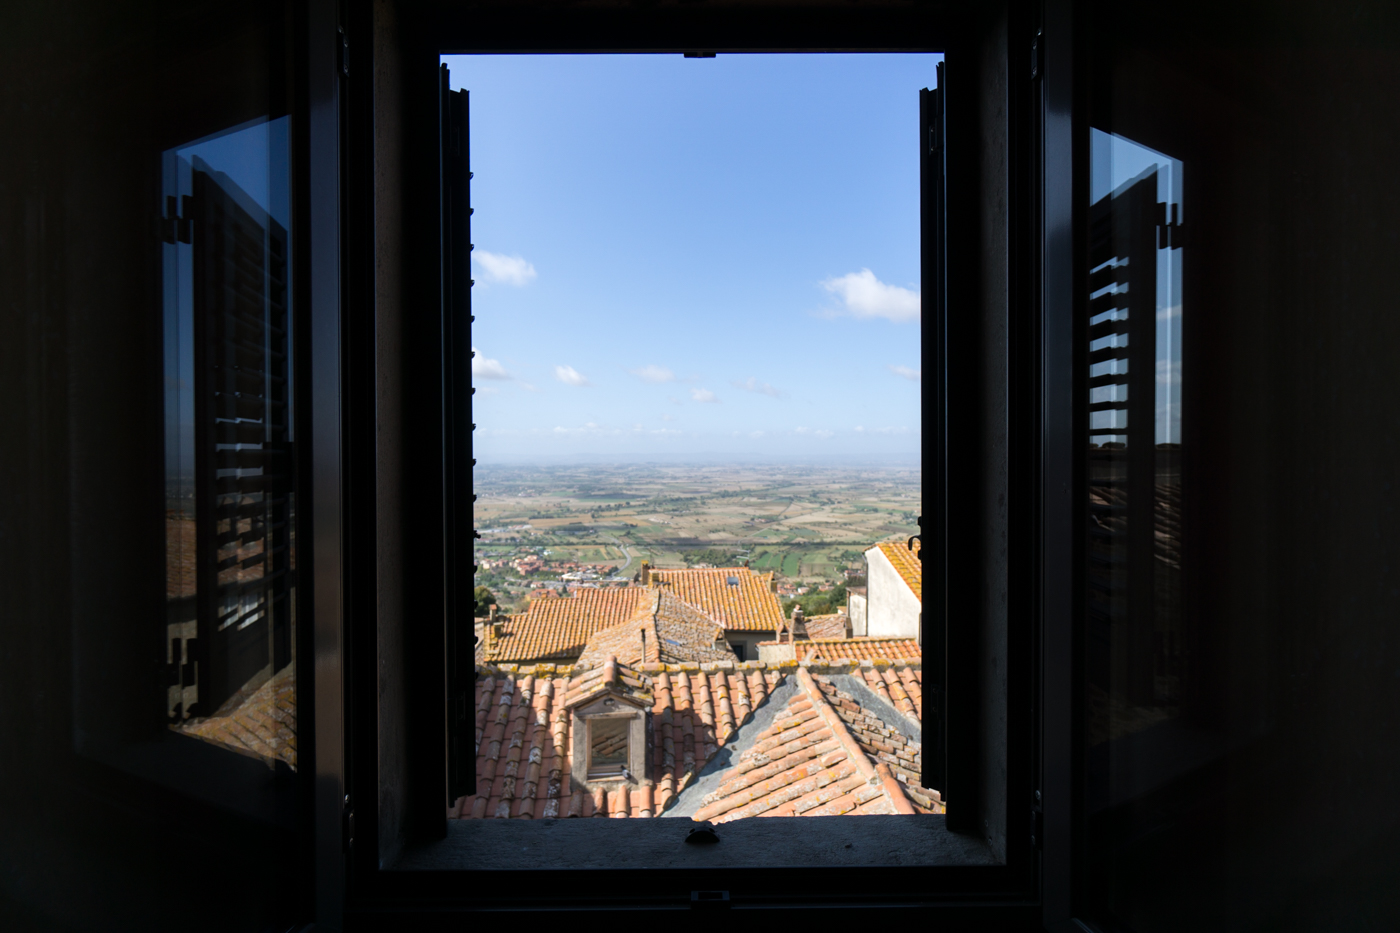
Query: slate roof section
(663, 630)
(883, 741)
(906, 564)
(747, 606)
(560, 628)
(842, 757)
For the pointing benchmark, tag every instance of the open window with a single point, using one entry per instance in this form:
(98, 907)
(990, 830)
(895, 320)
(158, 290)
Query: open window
(736, 692)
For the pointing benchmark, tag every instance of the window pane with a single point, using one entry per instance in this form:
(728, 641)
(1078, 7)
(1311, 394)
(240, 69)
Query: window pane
(697, 382)
(230, 507)
(608, 746)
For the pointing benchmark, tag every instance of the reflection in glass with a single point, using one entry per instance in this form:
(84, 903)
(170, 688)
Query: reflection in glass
(608, 747)
(1134, 643)
(230, 555)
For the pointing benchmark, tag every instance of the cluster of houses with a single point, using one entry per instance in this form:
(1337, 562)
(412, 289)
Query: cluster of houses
(690, 694)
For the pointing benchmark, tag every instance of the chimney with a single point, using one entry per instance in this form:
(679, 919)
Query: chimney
(497, 626)
(772, 584)
(646, 573)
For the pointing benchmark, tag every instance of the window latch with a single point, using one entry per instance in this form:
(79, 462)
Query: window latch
(709, 900)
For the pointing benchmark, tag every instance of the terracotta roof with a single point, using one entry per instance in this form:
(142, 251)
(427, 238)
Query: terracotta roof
(906, 564)
(858, 649)
(824, 755)
(747, 606)
(260, 723)
(524, 749)
(662, 629)
(559, 628)
(836, 625)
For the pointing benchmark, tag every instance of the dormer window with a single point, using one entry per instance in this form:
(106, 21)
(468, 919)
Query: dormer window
(733, 581)
(609, 718)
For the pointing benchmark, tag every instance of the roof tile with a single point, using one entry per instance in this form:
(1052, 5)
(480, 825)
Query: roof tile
(748, 605)
(906, 563)
(821, 754)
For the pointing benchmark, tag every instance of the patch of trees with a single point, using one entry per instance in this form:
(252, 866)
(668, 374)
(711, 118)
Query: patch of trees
(817, 602)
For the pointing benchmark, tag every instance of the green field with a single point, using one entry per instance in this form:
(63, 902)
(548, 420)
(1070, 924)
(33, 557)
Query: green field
(806, 525)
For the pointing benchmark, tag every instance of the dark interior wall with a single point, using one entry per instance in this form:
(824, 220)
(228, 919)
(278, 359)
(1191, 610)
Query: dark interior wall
(92, 93)
(1287, 121)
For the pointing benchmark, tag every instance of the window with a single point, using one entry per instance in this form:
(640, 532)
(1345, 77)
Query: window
(607, 744)
(230, 506)
(715, 711)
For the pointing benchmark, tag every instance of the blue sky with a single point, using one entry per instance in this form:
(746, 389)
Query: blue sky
(695, 259)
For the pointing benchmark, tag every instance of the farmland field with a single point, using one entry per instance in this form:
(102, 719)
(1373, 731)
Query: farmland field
(808, 524)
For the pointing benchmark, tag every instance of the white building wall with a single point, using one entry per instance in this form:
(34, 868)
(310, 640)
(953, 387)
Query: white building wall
(855, 608)
(892, 610)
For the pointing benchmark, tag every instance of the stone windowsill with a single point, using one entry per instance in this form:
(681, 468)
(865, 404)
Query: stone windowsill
(771, 842)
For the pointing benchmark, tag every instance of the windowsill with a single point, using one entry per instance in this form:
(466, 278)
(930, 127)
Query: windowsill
(770, 842)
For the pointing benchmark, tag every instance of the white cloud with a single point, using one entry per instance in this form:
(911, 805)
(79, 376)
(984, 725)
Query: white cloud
(570, 376)
(755, 434)
(1169, 372)
(487, 390)
(913, 375)
(703, 395)
(861, 430)
(865, 296)
(819, 432)
(510, 270)
(667, 418)
(653, 374)
(753, 385)
(482, 368)
(590, 428)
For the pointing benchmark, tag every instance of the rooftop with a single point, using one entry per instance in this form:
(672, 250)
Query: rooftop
(857, 649)
(560, 627)
(662, 629)
(725, 740)
(836, 625)
(747, 605)
(906, 564)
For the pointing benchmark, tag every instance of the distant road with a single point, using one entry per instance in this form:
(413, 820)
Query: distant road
(626, 553)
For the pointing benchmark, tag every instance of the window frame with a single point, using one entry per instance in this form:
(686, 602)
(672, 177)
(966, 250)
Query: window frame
(412, 42)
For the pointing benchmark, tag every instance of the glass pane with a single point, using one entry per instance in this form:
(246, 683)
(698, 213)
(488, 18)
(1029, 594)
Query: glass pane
(607, 746)
(229, 434)
(697, 384)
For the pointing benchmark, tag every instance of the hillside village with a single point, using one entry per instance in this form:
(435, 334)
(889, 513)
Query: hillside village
(689, 692)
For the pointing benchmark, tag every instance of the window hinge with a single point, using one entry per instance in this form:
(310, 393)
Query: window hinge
(347, 826)
(344, 51)
(1036, 67)
(1037, 823)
